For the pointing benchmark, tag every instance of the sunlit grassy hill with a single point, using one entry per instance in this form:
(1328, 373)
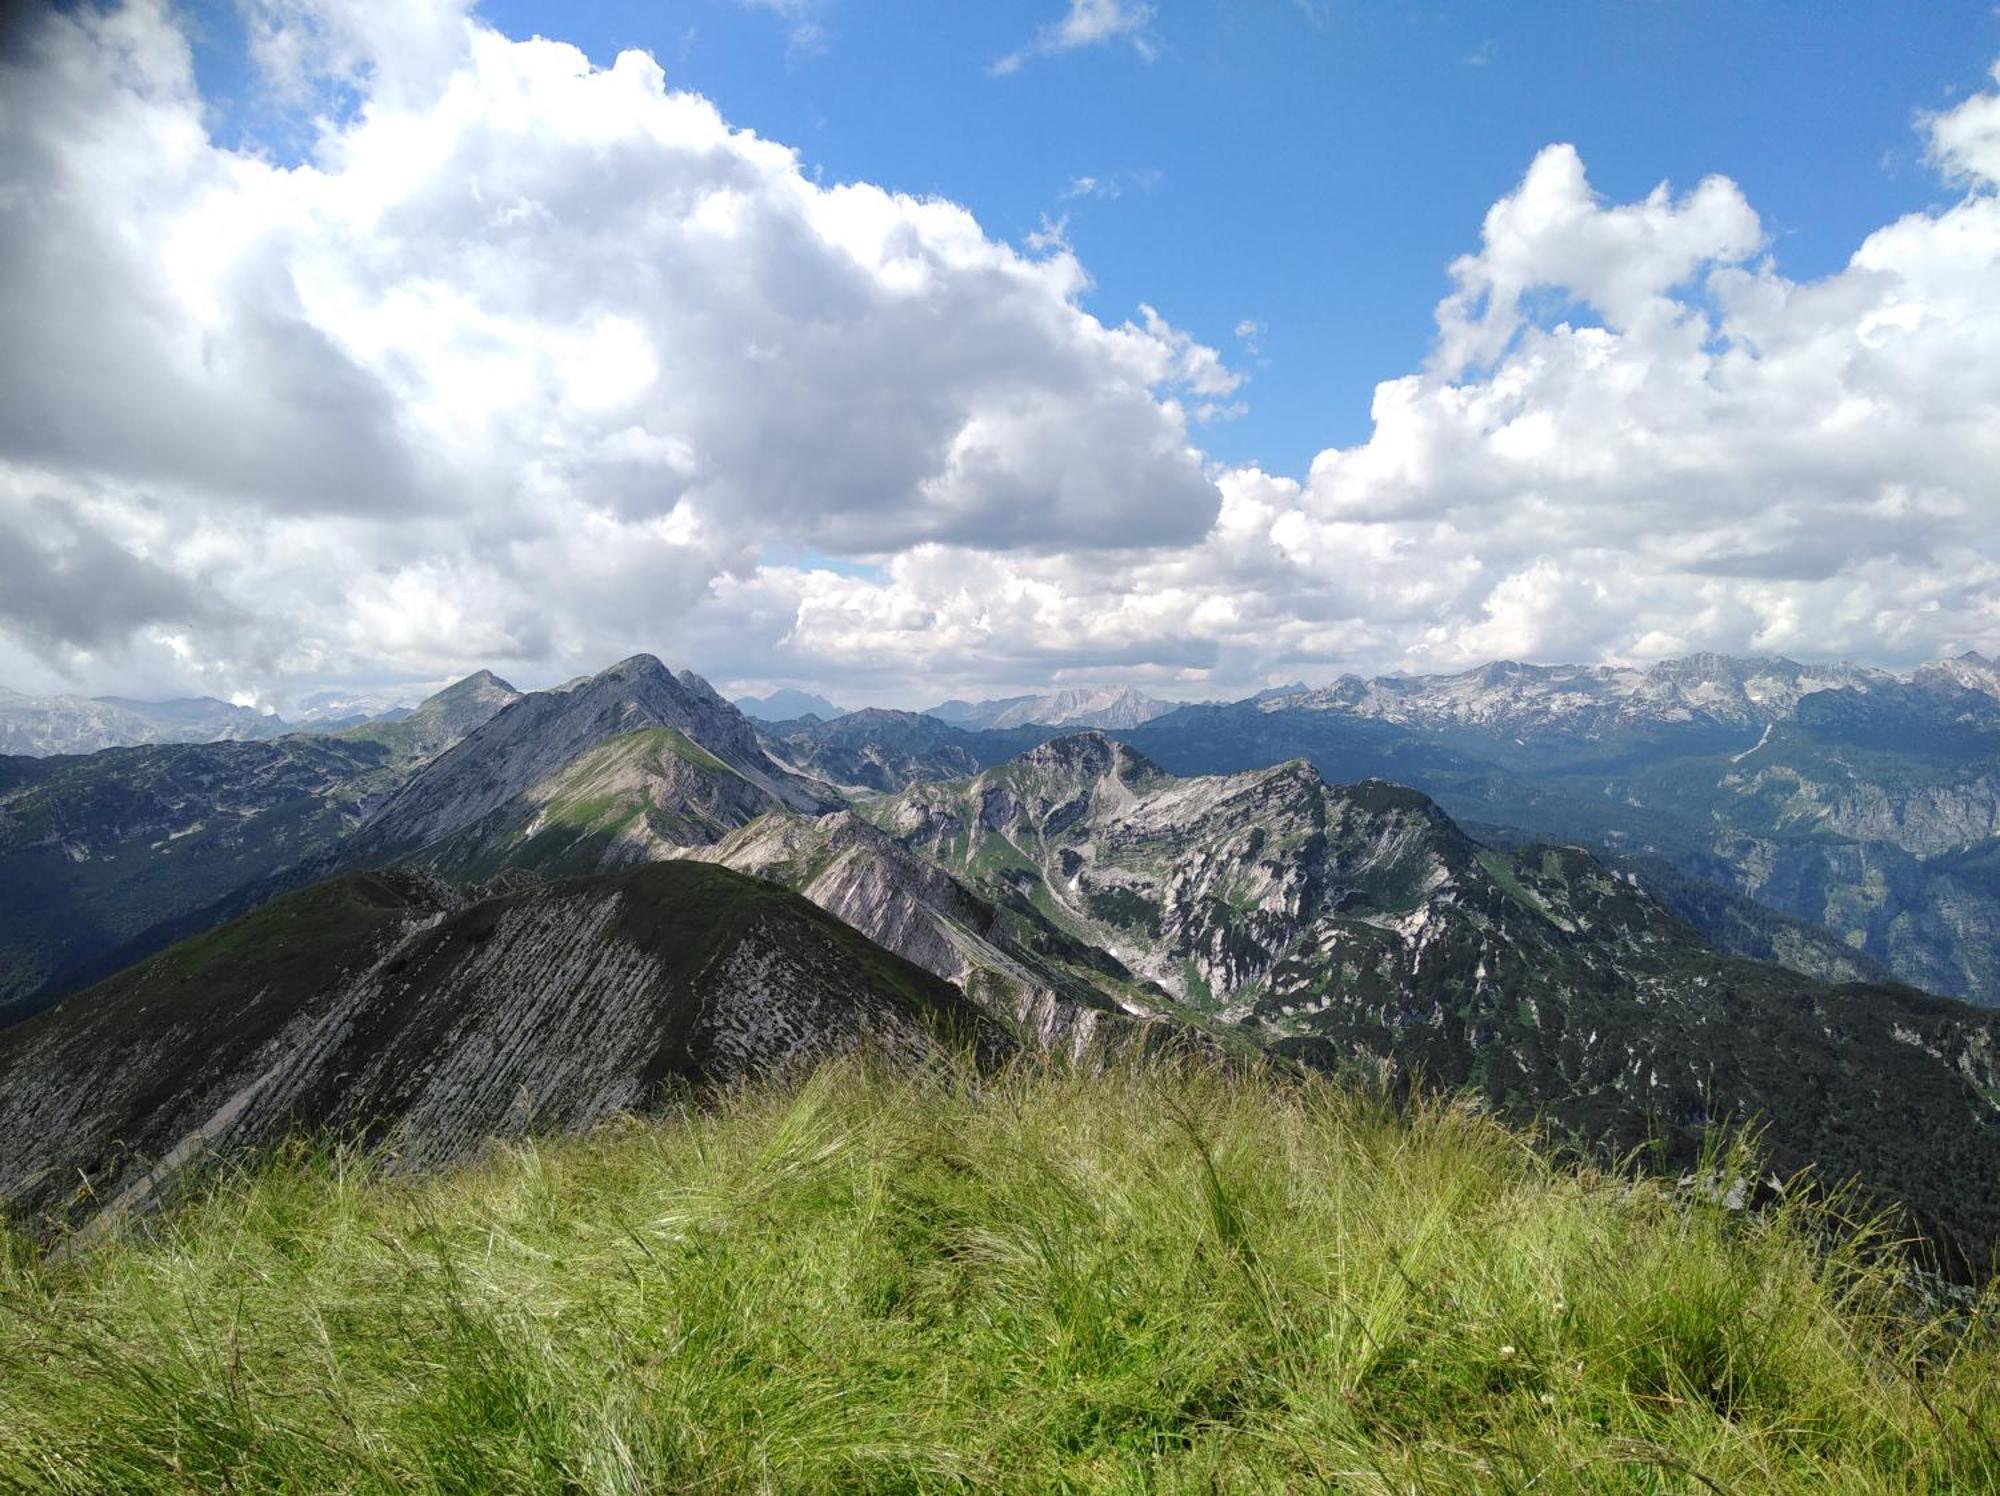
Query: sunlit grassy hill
(1163, 1280)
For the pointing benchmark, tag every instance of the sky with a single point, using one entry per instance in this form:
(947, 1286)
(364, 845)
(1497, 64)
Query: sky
(904, 351)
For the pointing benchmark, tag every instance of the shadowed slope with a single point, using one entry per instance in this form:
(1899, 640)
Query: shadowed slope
(382, 1004)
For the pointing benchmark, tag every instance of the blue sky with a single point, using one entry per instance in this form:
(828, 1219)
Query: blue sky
(1197, 346)
(1310, 165)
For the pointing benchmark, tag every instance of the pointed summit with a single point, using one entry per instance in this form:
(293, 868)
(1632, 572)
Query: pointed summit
(666, 763)
(442, 719)
(636, 667)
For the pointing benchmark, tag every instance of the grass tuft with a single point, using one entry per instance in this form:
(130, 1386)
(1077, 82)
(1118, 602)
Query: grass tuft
(1172, 1279)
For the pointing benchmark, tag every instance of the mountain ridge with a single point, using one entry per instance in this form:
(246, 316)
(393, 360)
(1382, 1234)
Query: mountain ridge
(493, 790)
(388, 1006)
(1356, 923)
(1082, 706)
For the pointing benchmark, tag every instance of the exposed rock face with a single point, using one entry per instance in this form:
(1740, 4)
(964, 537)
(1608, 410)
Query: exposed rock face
(1055, 994)
(380, 1005)
(703, 765)
(1343, 923)
(1201, 885)
(884, 751)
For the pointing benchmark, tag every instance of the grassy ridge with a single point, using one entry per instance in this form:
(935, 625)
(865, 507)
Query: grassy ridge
(1166, 1280)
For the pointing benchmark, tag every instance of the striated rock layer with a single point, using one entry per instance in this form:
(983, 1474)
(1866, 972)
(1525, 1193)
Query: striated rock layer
(381, 1006)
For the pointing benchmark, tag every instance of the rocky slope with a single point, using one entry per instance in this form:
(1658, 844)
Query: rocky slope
(1057, 994)
(632, 763)
(380, 1006)
(109, 856)
(1357, 924)
(876, 750)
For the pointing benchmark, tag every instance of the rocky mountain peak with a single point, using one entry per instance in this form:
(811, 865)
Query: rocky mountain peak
(633, 668)
(1092, 756)
(506, 777)
(481, 688)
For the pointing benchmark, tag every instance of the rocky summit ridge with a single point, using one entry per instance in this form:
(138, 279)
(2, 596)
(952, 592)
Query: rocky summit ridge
(624, 765)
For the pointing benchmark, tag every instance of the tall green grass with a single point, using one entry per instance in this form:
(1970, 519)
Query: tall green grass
(1175, 1279)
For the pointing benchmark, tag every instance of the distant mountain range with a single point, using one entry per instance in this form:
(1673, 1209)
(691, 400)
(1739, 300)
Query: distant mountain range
(1120, 707)
(43, 726)
(787, 705)
(1587, 702)
(1863, 802)
(418, 926)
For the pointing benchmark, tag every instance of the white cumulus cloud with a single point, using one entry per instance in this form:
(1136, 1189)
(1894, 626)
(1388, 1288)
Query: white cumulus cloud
(529, 363)
(554, 339)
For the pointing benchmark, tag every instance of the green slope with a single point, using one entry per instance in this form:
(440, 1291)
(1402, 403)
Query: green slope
(1123, 1281)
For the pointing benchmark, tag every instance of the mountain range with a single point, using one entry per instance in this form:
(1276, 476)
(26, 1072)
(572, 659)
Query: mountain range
(405, 927)
(786, 705)
(1860, 802)
(1079, 707)
(109, 856)
(43, 725)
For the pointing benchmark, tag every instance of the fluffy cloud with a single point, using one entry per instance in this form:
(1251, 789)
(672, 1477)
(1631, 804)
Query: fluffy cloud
(1965, 142)
(1635, 438)
(555, 338)
(530, 364)
(1089, 23)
